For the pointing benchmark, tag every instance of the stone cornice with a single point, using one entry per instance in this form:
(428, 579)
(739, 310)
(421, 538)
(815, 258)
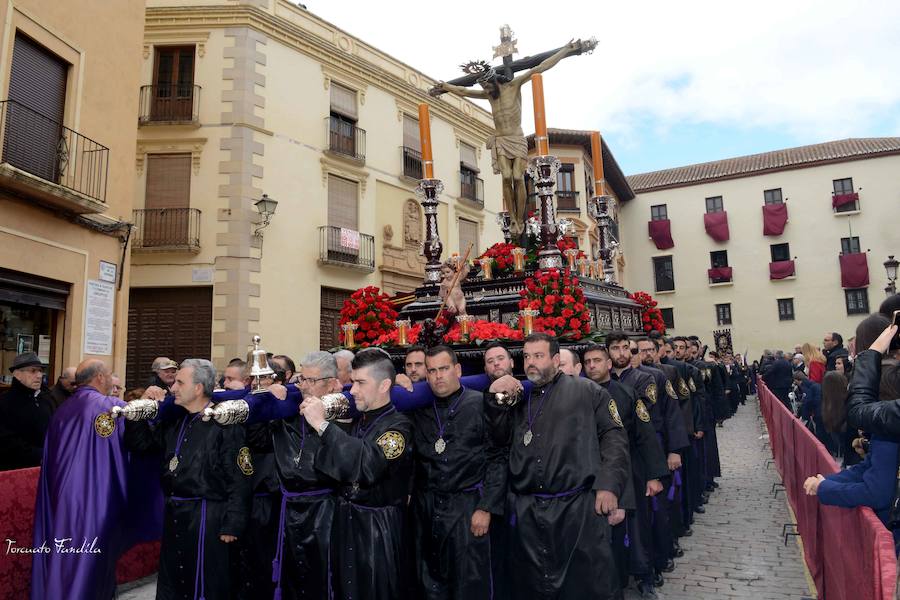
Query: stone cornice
(338, 54)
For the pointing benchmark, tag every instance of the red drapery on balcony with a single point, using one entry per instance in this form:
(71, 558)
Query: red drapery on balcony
(781, 269)
(717, 225)
(719, 274)
(661, 234)
(854, 270)
(838, 200)
(775, 217)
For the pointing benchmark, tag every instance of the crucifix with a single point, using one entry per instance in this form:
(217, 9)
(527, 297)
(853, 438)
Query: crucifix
(501, 86)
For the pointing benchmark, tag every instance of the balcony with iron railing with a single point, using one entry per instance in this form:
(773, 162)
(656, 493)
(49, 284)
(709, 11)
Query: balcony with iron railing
(175, 104)
(412, 163)
(166, 230)
(344, 247)
(46, 161)
(344, 139)
(471, 187)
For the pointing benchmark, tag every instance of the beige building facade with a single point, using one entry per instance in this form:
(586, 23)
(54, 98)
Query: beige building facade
(769, 291)
(245, 99)
(67, 98)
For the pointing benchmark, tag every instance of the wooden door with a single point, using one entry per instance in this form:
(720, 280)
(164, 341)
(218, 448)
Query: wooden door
(173, 84)
(332, 300)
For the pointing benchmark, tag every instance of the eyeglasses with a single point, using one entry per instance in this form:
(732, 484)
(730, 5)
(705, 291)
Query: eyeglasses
(311, 380)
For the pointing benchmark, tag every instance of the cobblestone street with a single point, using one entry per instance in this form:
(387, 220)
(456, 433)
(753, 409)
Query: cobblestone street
(736, 550)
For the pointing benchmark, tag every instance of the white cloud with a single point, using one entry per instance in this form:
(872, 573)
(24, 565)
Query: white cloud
(824, 69)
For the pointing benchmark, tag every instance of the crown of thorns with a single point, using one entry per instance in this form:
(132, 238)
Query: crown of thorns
(475, 67)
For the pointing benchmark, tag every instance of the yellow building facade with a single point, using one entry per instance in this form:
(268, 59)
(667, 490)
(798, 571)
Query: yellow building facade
(776, 291)
(66, 177)
(245, 99)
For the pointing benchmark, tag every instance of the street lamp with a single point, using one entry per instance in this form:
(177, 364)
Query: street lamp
(890, 265)
(266, 207)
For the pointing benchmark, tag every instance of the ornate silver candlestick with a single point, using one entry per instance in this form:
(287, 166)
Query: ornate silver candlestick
(427, 192)
(543, 171)
(598, 208)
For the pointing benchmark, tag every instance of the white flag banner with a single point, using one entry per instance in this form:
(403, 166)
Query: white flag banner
(349, 238)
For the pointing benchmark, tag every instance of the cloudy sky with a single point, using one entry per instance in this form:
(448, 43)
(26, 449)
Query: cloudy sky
(671, 83)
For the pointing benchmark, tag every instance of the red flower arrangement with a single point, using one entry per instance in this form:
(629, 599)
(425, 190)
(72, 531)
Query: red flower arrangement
(651, 317)
(560, 304)
(390, 338)
(565, 243)
(501, 252)
(483, 331)
(372, 311)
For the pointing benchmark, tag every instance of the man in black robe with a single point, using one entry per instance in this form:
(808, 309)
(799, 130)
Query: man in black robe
(206, 472)
(715, 395)
(372, 466)
(568, 467)
(460, 478)
(648, 467)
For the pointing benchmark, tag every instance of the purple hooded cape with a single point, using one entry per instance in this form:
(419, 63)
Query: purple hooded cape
(90, 487)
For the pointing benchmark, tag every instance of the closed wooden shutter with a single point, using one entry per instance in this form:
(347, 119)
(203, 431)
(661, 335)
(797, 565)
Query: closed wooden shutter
(168, 189)
(467, 156)
(343, 101)
(468, 234)
(411, 133)
(172, 322)
(37, 84)
(332, 300)
(343, 203)
(173, 83)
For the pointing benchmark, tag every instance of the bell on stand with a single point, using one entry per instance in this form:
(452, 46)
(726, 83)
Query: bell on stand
(259, 366)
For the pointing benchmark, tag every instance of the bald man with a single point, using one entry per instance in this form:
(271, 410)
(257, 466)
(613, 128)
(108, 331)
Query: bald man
(64, 387)
(88, 485)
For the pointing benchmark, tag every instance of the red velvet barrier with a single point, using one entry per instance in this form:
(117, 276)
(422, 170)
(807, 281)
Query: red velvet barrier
(661, 233)
(849, 552)
(18, 490)
(854, 270)
(716, 225)
(775, 217)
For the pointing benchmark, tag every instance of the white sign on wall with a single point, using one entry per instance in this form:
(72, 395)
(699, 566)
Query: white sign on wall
(202, 275)
(107, 271)
(98, 318)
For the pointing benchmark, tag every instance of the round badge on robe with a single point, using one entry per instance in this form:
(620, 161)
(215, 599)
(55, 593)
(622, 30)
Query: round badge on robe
(651, 393)
(641, 409)
(392, 444)
(670, 390)
(614, 413)
(244, 462)
(104, 425)
(683, 390)
(692, 385)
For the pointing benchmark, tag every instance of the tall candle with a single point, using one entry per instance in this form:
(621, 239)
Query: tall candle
(540, 117)
(425, 140)
(597, 158)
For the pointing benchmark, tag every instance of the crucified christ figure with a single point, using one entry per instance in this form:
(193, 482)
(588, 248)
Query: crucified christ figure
(509, 150)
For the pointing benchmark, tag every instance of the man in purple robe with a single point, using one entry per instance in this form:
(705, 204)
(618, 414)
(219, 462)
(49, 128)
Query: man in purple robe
(94, 501)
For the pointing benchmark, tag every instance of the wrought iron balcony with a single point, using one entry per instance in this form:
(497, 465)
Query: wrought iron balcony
(567, 200)
(166, 230)
(412, 163)
(471, 187)
(44, 149)
(176, 103)
(345, 138)
(347, 248)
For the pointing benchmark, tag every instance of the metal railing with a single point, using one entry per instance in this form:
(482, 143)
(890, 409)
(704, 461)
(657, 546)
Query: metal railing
(347, 247)
(167, 228)
(175, 103)
(471, 187)
(44, 148)
(412, 162)
(567, 200)
(344, 137)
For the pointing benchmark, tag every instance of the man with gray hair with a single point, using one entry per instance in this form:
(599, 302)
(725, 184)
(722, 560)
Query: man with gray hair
(320, 376)
(206, 470)
(344, 359)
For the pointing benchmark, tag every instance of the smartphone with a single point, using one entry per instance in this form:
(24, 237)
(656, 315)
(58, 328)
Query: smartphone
(896, 320)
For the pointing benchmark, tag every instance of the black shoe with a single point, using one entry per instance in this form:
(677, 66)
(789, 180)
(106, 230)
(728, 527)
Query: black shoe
(715, 485)
(688, 532)
(658, 580)
(700, 510)
(710, 487)
(670, 566)
(705, 497)
(647, 591)
(678, 553)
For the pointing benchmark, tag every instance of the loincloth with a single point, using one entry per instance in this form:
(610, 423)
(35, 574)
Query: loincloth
(508, 146)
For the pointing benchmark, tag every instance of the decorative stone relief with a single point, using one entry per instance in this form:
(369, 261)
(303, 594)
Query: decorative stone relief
(412, 224)
(616, 323)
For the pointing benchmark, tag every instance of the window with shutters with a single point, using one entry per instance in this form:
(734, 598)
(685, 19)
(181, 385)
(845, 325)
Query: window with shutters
(468, 234)
(331, 302)
(34, 139)
(412, 148)
(723, 314)
(173, 84)
(857, 301)
(663, 273)
(773, 196)
(659, 213)
(842, 187)
(344, 137)
(566, 194)
(468, 172)
(343, 213)
(850, 245)
(167, 200)
(785, 309)
(714, 204)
